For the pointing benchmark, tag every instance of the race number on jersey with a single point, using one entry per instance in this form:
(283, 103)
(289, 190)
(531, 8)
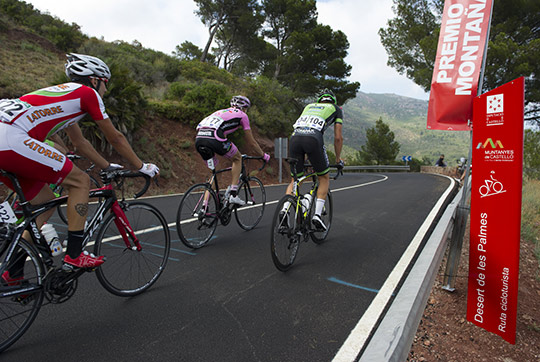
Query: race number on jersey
(10, 109)
(211, 122)
(307, 121)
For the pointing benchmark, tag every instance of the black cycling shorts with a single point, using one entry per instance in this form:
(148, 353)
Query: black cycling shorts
(223, 148)
(312, 145)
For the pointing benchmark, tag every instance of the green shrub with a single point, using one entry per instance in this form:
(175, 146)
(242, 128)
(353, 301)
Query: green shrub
(177, 90)
(274, 109)
(207, 97)
(176, 111)
(531, 154)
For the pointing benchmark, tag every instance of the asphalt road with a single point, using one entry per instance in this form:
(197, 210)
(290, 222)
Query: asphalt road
(227, 301)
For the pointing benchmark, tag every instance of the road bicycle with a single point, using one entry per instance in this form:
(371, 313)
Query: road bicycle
(202, 207)
(132, 235)
(291, 223)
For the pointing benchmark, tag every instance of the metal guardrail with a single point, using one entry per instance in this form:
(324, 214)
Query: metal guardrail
(377, 167)
(394, 336)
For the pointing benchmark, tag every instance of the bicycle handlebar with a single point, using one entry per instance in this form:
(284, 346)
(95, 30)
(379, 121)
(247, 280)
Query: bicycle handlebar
(246, 157)
(119, 175)
(294, 161)
(339, 170)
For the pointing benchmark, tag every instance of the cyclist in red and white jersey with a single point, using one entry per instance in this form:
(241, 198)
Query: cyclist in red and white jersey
(212, 139)
(26, 122)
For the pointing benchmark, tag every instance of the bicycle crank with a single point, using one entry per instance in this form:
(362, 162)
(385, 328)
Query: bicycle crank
(60, 286)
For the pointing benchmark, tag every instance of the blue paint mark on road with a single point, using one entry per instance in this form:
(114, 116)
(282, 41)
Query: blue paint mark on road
(335, 280)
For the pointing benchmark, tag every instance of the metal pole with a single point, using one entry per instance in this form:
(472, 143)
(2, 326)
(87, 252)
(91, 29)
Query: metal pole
(458, 232)
(280, 159)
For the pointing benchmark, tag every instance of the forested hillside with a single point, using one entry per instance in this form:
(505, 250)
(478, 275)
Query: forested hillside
(150, 86)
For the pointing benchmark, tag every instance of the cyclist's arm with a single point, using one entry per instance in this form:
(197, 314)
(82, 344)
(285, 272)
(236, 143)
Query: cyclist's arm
(119, 142)
(338, 140)
(252, 143)
(84, 147)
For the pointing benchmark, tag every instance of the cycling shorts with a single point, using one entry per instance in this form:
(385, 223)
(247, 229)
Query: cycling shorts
(309, 143)
(222, 147)
(35, 163)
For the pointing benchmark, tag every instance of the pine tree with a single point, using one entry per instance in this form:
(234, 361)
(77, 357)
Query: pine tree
(380, 147)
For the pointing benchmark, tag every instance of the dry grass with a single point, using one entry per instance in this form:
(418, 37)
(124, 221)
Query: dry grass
(25, 66)
(530, 214)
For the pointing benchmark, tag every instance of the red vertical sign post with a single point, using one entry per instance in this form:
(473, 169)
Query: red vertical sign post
(496, 209)
(458, 65)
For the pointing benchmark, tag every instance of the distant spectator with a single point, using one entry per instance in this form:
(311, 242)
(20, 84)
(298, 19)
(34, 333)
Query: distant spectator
(440, 162)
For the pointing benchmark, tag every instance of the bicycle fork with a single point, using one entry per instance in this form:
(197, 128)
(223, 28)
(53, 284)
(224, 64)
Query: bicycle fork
(124, 228)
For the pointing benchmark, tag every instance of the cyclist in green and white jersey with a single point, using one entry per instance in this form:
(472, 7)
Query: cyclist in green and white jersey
(307, 139)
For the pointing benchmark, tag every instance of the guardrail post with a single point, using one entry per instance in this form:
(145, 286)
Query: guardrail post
(456, 243)
(460, 224)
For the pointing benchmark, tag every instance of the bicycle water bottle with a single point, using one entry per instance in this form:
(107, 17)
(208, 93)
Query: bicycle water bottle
(306, 201)
(51, 236)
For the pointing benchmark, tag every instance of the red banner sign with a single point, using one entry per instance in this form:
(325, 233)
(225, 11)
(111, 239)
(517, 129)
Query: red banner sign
(458, 65)
(496, 209)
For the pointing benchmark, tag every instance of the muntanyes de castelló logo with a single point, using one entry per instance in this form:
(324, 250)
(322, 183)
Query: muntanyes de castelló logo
(489, 142)
(494, 151)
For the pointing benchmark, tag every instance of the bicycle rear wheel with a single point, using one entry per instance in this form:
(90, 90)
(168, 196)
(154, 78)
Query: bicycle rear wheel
(197, 216)
(93, 205)
(284, 241)
(21, 296)
(253, 193)
(128, 270)
(319, 237)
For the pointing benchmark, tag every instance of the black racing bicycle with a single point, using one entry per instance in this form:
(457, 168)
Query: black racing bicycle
(202, 207)
(132, 235)
(291, 223)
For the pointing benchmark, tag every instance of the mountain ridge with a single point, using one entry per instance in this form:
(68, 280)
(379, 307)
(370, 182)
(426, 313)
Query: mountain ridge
(406, 117)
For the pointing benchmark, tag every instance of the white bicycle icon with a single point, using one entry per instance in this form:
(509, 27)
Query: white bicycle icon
(491, 187)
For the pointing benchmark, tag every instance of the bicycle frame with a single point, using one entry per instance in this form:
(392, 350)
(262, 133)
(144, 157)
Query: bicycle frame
(297, 181)
(214, 185)
(31, 212)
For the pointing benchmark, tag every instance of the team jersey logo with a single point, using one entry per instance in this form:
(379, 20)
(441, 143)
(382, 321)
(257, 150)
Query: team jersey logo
(36, 147)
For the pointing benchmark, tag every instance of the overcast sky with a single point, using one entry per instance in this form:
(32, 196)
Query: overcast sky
(164, 24)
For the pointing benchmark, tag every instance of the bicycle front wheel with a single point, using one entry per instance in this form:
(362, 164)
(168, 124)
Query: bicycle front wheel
(130, 269)
(253, 193)
(197, 216)
(21, 292)
(319, 237)
(284, 238)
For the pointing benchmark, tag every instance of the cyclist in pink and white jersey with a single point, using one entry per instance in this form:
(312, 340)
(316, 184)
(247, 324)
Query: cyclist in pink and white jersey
(212, 139)
(26, 122)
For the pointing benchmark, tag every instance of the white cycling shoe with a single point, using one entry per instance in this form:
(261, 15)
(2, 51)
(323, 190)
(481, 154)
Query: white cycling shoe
(318, 223)
(236, 200)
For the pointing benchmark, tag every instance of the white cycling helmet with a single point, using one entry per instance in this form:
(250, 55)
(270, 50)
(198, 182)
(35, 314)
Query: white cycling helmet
(81, 66)
(240, 101)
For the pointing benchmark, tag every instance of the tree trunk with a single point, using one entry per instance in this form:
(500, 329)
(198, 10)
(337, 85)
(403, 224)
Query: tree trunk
(213, 29)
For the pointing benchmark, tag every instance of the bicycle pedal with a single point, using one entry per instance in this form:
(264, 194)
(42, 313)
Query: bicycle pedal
(68, 267)
(23, 299)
